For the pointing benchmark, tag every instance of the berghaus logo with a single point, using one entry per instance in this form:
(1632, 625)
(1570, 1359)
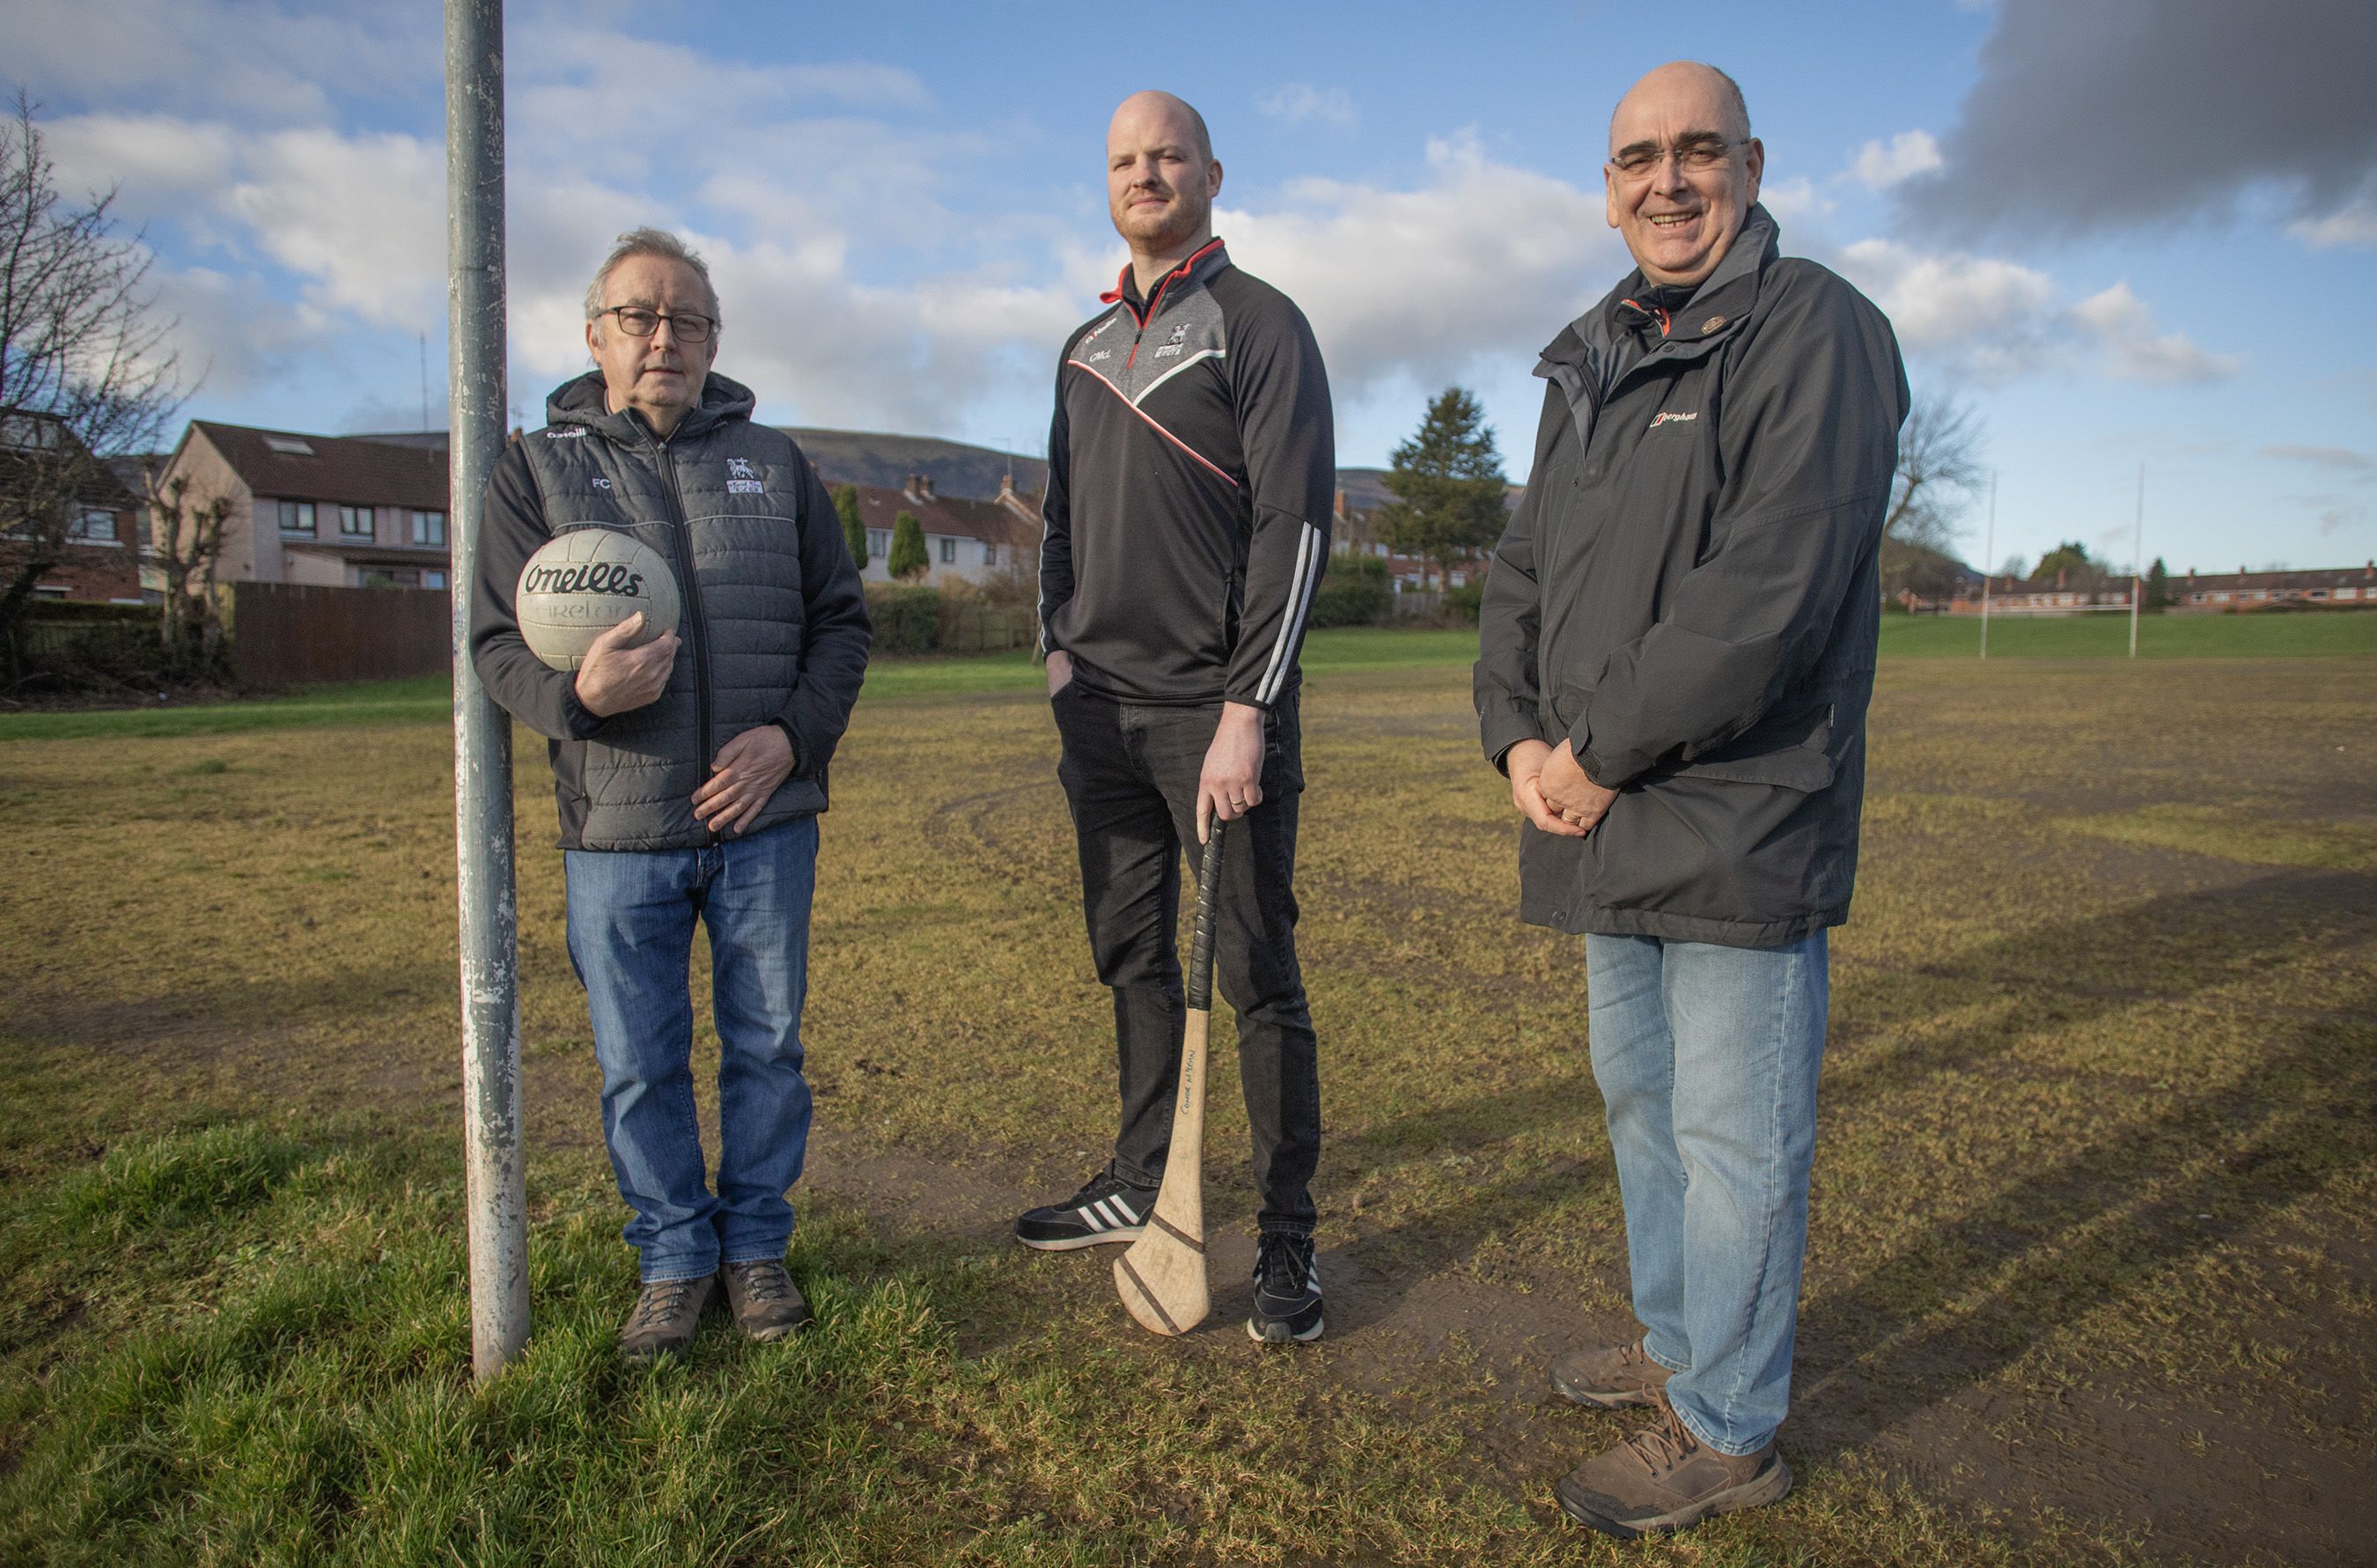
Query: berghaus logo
(1665, 418)
(586, 577)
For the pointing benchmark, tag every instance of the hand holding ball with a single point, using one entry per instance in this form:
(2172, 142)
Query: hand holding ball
(604, 605)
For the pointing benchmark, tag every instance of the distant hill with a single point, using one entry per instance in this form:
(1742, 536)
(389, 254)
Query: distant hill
(955, 468)
(867, 457)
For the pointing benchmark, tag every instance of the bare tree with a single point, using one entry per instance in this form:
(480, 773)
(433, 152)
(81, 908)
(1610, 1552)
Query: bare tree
(188, 541)
(1939, 471)
(85, 371)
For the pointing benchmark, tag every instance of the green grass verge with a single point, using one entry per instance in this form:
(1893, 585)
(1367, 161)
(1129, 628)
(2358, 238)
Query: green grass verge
(429, 699)
(2334, 634)
(270, 1368)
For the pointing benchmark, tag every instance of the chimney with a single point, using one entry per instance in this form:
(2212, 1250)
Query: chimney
(1007, 487)
(2058, 576)
(924, 486)
(1340, 506)
(908, 483)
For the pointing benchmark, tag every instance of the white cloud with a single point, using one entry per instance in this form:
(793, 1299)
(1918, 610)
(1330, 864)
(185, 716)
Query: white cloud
(2351, 224)
(230, 335)
(1479, 260)
(1989, 318)
(1299, 102)
(2342, 460)
(251, 58)
(2133, 351)
(1794, 198)
(1993, 319)
(151, 159)
(1908, 154)
(361, 218)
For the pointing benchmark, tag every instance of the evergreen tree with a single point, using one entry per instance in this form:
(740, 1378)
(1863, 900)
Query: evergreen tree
(907, 558)
(2157, 595)
(2071, 556)
(853, 527)
(1447, 484)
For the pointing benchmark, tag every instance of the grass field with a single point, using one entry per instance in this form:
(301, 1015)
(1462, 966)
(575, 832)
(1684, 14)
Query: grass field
(430, 699)
(2093, 1275)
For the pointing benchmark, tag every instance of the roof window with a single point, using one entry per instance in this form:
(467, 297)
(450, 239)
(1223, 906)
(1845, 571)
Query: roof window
(290, 446)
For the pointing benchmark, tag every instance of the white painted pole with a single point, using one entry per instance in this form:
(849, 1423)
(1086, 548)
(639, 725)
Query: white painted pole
(496, 1176)
(2138, 562)
(1988, 555)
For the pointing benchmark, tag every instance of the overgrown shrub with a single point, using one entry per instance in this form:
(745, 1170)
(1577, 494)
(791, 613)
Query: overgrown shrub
(907, 620)
(1355, 592)
(1460, 607)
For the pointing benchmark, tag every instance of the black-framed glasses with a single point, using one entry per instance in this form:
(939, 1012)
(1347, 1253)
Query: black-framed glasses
(639, 322)
(1694, 155)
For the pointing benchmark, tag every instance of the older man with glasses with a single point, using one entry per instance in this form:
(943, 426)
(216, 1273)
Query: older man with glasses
(1676, 653)
(690, 769)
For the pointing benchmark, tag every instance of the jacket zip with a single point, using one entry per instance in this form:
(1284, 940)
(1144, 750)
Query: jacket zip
(1156, 299)
(681, 536)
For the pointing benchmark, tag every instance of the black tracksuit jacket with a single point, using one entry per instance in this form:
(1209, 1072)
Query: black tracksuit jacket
(1193, 475)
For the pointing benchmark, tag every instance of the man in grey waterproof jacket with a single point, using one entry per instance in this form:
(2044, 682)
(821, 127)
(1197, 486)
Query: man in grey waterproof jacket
(690, 768)
(1676, 652)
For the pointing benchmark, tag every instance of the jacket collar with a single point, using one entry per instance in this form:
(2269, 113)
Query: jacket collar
(1208, 259)
(580, 400)
(1724, 298)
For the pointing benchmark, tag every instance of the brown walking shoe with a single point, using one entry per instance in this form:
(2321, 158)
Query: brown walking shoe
(1664, 1478)
(767, 1305)
(667, 1312)
(1610, 1376)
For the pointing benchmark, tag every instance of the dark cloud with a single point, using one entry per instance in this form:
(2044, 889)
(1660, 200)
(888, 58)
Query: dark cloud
(2115, 113)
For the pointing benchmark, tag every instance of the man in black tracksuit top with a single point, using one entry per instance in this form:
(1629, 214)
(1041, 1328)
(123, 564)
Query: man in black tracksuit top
(1191, 480)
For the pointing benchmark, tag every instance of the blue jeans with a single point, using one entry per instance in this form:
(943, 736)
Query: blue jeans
(631, 915)
(1707, 1060)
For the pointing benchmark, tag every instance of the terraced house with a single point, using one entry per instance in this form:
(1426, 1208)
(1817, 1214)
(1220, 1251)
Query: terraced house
(339, 511)
(965, 540)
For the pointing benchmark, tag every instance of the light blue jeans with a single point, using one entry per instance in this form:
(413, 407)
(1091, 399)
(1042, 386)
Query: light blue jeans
(1707, 1060)
(631, 917)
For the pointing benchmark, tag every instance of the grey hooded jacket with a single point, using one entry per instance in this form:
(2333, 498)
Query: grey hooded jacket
(774, 625)
(1688, 597)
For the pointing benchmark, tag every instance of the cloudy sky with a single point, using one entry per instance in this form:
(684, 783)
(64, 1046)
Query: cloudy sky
(2134, 230)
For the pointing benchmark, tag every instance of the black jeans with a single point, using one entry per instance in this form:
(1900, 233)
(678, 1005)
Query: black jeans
(1130, 775)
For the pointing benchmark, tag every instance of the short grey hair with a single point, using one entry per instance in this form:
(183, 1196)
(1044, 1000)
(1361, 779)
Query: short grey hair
(649, 242)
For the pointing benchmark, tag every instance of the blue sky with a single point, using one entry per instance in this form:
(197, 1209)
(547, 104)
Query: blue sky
(2140, 230)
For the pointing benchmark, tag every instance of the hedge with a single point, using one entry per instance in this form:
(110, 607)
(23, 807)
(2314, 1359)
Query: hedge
(1355, 592)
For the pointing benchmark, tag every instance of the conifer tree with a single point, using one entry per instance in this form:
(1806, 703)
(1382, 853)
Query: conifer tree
(1449, 486)
(853, 527)
(907, 558)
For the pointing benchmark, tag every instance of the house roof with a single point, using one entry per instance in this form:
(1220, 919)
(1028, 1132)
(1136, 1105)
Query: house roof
(2326, 577)
(993, 523)
(25, 434)
(298, 466)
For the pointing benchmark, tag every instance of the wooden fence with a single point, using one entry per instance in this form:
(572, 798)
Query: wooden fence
(289, 634)
(984, 629)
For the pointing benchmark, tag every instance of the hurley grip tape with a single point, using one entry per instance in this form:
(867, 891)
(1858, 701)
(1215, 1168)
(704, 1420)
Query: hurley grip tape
(1200, 946)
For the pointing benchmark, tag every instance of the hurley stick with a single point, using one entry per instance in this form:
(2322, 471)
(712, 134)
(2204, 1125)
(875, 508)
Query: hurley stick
(1161, 1276)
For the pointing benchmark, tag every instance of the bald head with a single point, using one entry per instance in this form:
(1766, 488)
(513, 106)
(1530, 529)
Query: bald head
(1166, 116)
(1715, 95)
(1161, 180)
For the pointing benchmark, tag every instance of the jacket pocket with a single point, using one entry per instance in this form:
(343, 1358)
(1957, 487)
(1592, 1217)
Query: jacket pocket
(1794, 753)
